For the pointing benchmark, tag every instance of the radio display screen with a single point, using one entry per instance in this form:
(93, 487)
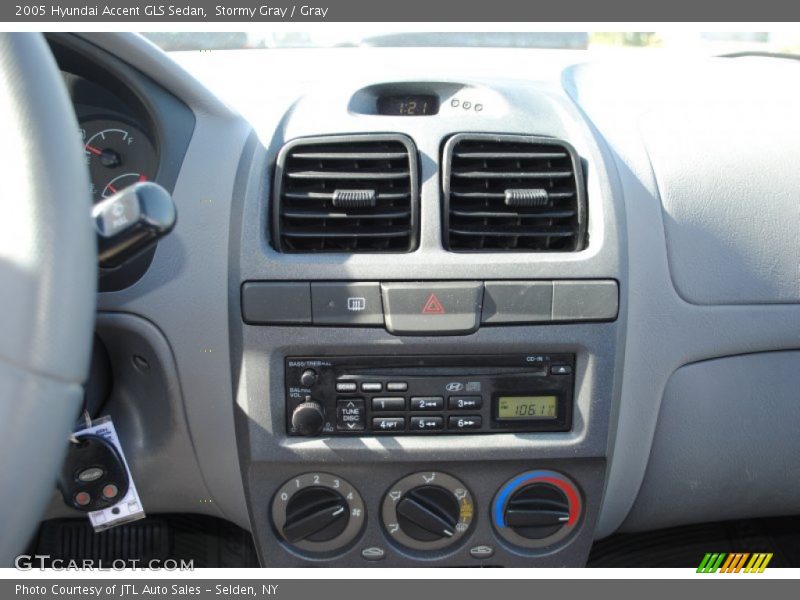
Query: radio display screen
(526, 407)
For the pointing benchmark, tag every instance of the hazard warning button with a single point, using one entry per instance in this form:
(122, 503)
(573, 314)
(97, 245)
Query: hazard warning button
(432, 308)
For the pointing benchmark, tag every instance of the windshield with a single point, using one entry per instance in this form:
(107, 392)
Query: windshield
(697, 42)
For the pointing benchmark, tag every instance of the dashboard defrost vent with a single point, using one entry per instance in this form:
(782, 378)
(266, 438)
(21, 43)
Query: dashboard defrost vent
(354, 193)
(511, 193)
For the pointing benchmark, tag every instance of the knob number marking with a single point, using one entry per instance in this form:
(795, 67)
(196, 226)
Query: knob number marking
(355, 511)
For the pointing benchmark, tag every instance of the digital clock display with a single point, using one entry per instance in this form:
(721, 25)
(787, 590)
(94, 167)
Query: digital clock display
(414, 105)
(526, 407)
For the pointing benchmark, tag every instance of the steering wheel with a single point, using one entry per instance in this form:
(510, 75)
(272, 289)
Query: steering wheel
(48, 280)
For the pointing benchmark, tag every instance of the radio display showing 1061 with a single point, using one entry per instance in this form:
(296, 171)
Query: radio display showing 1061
(526, 407)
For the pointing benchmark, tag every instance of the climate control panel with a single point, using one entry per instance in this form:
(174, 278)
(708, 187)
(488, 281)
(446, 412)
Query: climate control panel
(427, 514)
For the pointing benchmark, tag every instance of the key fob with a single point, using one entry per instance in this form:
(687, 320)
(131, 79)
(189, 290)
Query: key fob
(93, 476)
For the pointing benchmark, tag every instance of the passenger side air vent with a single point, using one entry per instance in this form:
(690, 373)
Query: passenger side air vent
(510, 193)
(346, 194)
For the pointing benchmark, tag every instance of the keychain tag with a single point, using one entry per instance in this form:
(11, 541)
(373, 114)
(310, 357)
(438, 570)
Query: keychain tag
(129, 508)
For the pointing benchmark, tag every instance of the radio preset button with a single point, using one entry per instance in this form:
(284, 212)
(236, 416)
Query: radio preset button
(465, 422)
(346, 386)
(388, 423)
(427, 423)
(387, 404)
(464, 402)
(351, 415)
(427, 403)
(372, 387)
(396, 386)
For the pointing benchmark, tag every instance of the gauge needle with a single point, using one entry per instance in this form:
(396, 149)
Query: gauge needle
(111, 188)
(93, 150)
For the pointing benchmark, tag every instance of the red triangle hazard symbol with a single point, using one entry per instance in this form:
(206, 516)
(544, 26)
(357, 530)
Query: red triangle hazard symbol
(432, 306)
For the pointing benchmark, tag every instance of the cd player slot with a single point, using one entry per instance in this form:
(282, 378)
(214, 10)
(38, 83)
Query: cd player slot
(384, 372)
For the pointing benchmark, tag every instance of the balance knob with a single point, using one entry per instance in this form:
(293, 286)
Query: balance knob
(308, 418)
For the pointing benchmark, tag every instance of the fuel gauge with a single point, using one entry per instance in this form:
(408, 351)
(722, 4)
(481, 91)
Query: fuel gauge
(118, 155)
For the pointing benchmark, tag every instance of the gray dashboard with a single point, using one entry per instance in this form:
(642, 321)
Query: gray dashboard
(699, 276)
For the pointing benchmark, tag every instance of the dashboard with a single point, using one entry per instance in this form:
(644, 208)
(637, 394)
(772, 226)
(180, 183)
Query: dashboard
(438, 312)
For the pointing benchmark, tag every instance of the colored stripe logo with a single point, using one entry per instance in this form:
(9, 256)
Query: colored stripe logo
(736, 562)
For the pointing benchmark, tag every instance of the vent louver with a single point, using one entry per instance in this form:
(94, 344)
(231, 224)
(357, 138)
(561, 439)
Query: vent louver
(346, 194)
(512, 194)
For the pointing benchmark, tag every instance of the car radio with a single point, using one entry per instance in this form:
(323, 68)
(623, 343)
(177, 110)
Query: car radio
(450, 394)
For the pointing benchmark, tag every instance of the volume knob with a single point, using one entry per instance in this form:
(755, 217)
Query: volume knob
(308, 418)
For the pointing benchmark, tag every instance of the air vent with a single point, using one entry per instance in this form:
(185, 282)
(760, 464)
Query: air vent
(512, 194)
(346, 194)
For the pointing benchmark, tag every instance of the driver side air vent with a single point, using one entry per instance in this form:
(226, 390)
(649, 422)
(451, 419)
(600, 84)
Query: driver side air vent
(512, 193)
(356, 193)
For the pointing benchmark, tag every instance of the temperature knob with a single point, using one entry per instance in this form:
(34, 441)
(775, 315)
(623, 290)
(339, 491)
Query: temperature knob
(428, 511)
(318, 512)
(536, 509)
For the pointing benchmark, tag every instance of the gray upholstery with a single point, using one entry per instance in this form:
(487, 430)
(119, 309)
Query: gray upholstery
(728, 178)
(727, 443)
